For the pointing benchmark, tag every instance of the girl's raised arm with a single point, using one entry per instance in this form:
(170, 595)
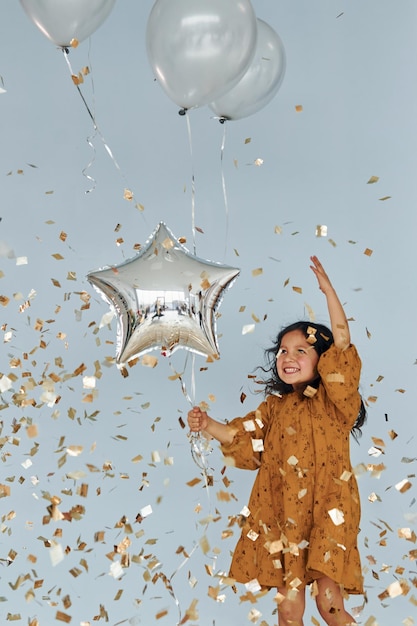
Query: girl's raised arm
(338, 321)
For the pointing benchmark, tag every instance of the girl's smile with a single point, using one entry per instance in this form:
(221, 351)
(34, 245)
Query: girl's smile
(296, 360)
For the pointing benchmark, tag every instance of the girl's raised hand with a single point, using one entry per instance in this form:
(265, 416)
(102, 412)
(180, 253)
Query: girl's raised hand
(197, 419)
(323, 280)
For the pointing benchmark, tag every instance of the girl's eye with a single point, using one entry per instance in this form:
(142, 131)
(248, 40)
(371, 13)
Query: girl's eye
(281, 351)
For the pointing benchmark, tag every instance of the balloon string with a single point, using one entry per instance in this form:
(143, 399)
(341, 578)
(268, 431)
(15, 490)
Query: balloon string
(190, 143)
(97, 131)
(226, 204)
(199, 451)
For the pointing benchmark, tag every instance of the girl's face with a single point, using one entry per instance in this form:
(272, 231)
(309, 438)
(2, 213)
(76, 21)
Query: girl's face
(296, 360)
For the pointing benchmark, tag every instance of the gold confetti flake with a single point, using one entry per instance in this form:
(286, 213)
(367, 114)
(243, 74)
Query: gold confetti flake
(257, 272)
(299, 108)
(74, 42)
(385, 198)
(57, 256)
(162, 613)
(335, 377)
(368, 252)
(149, 360)
(309, 391)
(193, 482)
(128, 195)
(373, 180)
(297, 289)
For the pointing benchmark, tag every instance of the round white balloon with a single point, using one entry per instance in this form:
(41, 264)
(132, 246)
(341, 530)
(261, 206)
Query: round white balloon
(198, 49)
(261, 81)
(61, 21)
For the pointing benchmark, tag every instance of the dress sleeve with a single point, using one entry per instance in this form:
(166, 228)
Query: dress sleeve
(247, 446)
(340, 372)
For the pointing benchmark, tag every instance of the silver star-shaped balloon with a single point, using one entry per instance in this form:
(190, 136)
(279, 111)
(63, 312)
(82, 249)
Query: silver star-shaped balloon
(164, 298)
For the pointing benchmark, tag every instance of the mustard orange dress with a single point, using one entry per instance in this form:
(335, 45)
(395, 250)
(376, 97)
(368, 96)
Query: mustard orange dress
(302, 519)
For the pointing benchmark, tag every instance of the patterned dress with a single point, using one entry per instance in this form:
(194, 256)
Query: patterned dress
(303, 515)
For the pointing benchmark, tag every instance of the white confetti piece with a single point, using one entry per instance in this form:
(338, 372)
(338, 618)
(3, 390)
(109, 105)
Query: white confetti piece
(292, 460)
(374, 451)
(257, 445)
(252, 535)
(21, 260)
(116, 570)
(394, 589)
(146, 511)
(5, 384)
(253, 586)
(56, 554)
(248, 328)
(254, 615)
(156, 457)
(89, 382)
(337, 516)
(106, 319)
(249, 426)
(49, 397)
(27, 463)
(321, 230)
(245, 511)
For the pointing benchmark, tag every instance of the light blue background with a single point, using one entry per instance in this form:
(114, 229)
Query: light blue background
(352, 67)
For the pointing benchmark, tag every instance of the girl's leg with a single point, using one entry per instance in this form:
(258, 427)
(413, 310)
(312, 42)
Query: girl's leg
(291, 610)
(330, 603)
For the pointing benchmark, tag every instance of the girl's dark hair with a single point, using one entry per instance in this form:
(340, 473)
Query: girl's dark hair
(323, 340)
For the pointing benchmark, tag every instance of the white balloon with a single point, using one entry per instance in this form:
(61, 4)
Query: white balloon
(198, 49)
(61, 21)
(261, 81)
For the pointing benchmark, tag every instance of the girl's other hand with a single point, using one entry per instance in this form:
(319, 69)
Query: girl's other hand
(197, 419)
(323, 280)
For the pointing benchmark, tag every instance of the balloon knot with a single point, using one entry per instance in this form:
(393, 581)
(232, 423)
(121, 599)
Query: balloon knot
(182, 112)
(222, 120)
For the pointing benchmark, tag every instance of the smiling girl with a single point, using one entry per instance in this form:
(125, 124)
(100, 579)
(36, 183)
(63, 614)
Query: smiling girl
(301, 524)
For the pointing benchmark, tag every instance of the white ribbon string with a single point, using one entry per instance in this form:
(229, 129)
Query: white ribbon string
(190, 143)
(97, 131)
(226, 204)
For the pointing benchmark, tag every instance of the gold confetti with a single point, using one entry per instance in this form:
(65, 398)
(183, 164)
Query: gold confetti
(298, 108)
(368, 252)
(128, 195)
(385, 198)
(297, 289)
(193, 482)
(149, 360)
(257, 272)
(372, 180)
(63, 617)
(74, 42)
